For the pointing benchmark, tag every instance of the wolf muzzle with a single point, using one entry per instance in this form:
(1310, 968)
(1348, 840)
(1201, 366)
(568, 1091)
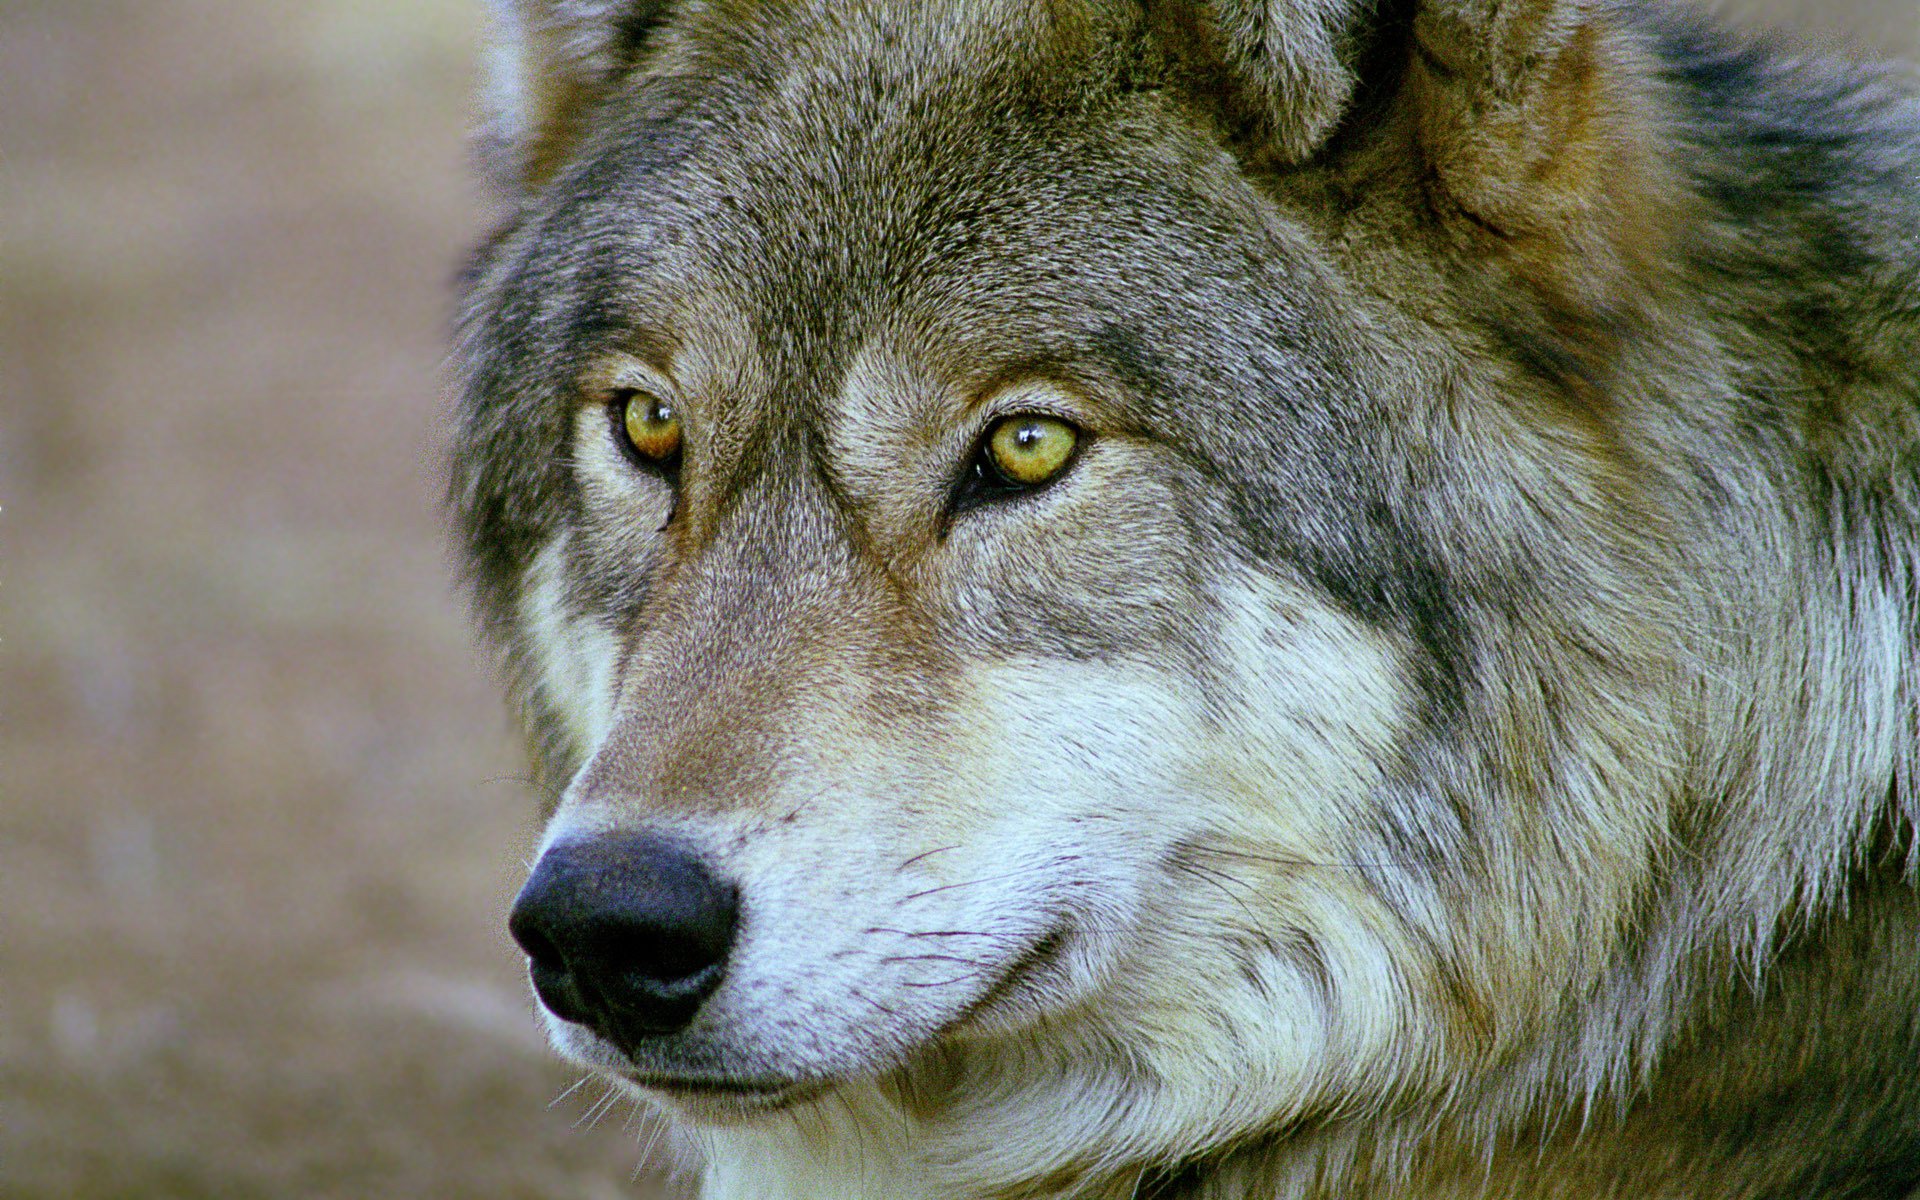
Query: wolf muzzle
(625, 934)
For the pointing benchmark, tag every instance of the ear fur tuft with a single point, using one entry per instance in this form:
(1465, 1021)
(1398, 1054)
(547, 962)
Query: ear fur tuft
(1295, 63)
(549, 60)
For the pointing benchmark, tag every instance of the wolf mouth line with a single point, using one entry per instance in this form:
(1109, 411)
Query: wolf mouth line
(734, 1097)
(745, 1096)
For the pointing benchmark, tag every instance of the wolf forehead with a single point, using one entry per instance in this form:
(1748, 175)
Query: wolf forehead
(818, 190)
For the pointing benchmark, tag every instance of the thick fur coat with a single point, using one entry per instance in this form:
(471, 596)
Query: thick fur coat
(1446, 728)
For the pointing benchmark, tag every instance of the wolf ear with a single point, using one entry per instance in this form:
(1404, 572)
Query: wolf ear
(1524, 110)
(1528, 129)
(549, 61)
(1494, 89)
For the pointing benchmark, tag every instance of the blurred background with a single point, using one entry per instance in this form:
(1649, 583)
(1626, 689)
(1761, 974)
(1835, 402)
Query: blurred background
(261, 810)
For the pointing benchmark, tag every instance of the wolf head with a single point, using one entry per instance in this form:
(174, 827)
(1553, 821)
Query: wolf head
(1120, 577)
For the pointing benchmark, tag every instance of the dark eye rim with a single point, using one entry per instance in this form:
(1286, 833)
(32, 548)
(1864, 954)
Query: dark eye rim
(982, 482)
(667, 468)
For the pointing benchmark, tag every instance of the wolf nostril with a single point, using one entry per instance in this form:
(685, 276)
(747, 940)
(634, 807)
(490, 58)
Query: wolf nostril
(624, 933)
(547, 968)
(540, 950)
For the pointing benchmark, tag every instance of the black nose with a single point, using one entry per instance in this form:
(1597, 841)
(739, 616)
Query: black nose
(627, 934)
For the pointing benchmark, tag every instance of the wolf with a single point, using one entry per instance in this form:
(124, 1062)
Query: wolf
(1211, 598)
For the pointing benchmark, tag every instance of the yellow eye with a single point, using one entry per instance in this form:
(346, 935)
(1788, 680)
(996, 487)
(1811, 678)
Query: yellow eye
(1029, 450)
(652, 426)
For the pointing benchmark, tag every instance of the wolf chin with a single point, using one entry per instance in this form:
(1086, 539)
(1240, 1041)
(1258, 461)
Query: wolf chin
(1211, 598)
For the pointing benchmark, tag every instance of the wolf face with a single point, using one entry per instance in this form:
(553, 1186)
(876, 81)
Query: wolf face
(1097, 592)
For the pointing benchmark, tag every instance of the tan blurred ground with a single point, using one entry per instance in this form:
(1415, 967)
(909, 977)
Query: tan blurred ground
(258, 825)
